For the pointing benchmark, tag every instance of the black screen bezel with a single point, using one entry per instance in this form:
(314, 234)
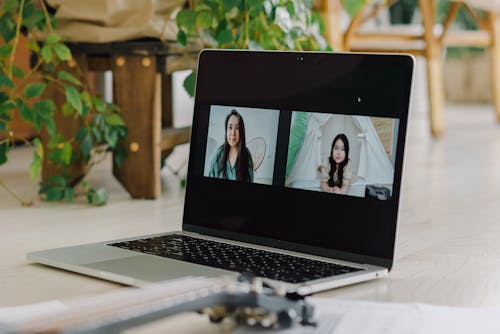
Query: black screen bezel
(246, 78)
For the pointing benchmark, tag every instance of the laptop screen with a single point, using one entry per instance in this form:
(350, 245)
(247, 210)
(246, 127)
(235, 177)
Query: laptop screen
(302, 151)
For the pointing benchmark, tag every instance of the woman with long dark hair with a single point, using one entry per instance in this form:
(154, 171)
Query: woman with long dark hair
(232, 159)
(336, 174)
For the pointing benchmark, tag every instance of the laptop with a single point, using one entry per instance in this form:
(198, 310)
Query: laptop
(294, 175)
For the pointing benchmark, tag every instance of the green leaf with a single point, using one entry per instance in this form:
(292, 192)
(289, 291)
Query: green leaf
(11, 6)
(66, 154)
(63, 75)
(54, 194)
(38, 147)
(4, 150)
(17, 72)
(26, 113)
(61, 156)
(290, 8)
(224, 36)
(86, 98)
(67, 109)
(120, 153)
(186, 19)
(33, 46)
(97, 197)
(190, 82)
(73, 97)
(230, 4)
(99, 104)
(52, 39)
(204, 19)
(69, 194)
(5, 116)
(5, 50)
(113, 119)
(5, 107)
(47, 53)
(56, 140)
(32, 17)
(85, 110)
(7, 27)
(98, 120)
(50, 125)
(5, 81)
(4, 97)
(202, 7)
(181, 37)
(112, 107)
(81, 133)
(111, 137)
(62, 51)
(86, 146)
(97, 134)
(35, 167)
(34, 89)
(44, 108)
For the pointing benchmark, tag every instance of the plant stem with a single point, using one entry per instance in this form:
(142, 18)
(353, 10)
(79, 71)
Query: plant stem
(47, 17)
(34, 69)
(59, 84)
(13, 194)
(16, 38)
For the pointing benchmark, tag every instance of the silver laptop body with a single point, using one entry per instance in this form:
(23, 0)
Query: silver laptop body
(357, 244)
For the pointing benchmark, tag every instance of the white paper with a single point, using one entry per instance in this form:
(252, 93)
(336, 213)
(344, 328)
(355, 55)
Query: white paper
(337, 316)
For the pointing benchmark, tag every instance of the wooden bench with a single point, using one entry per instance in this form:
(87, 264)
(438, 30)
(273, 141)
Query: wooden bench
(142, 88)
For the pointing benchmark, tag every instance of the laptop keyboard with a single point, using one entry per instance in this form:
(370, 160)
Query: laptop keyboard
(258, 262)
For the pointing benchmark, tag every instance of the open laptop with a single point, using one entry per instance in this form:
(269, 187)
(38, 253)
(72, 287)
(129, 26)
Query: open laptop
(294, 175)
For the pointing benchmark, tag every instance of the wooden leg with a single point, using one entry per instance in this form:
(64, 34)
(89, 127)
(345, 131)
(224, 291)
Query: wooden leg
(434, 63)
(136, 92)
(66, 126)
(436, 94)
(494, 19)
(167, 110)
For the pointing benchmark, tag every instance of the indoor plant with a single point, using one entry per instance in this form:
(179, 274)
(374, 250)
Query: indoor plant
(21, 92)
(254, 25)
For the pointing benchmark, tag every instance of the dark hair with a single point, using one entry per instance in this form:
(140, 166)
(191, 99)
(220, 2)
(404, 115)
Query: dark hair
(333, 164)
(242, 161)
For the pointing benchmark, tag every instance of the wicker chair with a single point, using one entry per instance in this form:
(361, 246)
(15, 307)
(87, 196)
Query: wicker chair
(429, 40)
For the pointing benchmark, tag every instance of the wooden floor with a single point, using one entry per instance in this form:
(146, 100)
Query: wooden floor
(448, 235)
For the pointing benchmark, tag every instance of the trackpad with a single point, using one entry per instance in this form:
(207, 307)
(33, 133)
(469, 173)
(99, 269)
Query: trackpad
(154, 269)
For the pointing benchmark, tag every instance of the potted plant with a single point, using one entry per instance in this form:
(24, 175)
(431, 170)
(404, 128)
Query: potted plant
(24, 93)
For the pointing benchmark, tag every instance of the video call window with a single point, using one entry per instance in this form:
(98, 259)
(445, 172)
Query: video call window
(241, 144)
(342, 154)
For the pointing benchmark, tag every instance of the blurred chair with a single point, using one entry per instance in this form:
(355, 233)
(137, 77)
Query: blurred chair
(429, 40)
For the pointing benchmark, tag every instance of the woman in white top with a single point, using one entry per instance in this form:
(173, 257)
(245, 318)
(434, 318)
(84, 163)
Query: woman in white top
(336, 173)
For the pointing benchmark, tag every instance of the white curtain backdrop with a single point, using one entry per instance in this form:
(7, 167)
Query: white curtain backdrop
(372, 166)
